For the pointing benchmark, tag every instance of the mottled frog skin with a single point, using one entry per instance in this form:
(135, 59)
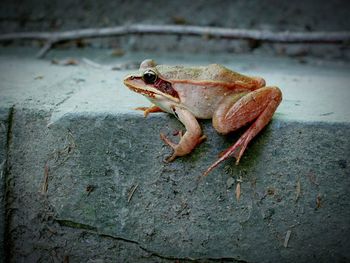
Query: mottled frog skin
(230, 99)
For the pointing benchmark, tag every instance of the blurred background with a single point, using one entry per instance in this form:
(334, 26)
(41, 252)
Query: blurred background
(272, 15)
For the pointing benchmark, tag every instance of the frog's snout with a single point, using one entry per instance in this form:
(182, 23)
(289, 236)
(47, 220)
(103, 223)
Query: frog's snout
(261, 81)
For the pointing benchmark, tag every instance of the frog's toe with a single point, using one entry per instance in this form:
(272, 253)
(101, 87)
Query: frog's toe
(171, 158)
(174, 146)
(167, 141)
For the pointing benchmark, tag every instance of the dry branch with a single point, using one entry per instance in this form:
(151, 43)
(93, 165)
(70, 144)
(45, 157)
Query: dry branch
(220, 32)
(263, 35)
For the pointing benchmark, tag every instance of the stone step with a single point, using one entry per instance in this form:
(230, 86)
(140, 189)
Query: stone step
(85, 174)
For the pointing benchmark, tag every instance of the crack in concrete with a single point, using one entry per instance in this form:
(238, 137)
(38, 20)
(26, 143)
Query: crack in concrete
(7, 190)
(91, 229)
(70, 223)
(69, 95)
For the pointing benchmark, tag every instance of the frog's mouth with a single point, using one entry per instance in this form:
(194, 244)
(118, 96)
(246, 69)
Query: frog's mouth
(137, 85)
(141, 91)
(159, 89)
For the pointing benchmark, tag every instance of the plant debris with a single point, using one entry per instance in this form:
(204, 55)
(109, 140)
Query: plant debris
(179, 20)
(238, 188)
(89, 189)
(298, 190)
(118, 52)
(286, 239)
(65, 62)
(271, 191)
(120, 66)
(45, 184)
(318, 201)
(312, 177)
(132, 191)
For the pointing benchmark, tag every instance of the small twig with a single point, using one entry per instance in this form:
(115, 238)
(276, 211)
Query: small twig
(298, 190)
(182, 209)
(312, 177)
(89, 189)
(94, 64)
(60, 156)
(263, 35)
(132, 191)
(231, 33)
(42, 52)
(286, 239)
(2, 166)
(121, 66)
(318, 201)
(238, 188)
(45, 184)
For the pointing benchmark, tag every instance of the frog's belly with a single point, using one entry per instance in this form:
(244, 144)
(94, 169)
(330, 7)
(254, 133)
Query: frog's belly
(165, 104)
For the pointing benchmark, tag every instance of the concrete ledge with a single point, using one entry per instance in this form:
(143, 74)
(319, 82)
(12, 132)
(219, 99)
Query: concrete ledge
(295, 178)
(5, 119)
(110, 197)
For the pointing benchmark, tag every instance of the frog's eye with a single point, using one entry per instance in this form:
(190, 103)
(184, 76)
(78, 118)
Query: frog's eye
(149, 76)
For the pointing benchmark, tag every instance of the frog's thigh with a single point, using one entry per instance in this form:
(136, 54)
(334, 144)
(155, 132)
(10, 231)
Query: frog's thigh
(233, 114)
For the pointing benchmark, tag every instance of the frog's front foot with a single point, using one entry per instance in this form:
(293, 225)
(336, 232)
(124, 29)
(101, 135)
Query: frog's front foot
(148, 110)
(174, 146)
(181, 148)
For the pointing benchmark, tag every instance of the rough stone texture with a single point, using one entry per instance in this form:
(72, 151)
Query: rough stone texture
(5, 116)
(84, 179)
(94, 162)
(83, 88)
(75, 125)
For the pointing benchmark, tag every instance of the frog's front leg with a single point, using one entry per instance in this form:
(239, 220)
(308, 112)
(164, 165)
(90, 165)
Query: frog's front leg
(192, 137)
(148, 110)
(232, 114)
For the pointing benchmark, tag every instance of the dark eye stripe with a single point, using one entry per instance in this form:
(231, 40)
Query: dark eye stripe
(166, 87)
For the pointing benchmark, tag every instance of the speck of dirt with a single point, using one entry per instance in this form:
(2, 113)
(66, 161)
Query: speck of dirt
(342, 163)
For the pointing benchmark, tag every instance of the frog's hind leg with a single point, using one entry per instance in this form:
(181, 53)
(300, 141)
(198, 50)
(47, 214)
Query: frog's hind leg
(257, 106)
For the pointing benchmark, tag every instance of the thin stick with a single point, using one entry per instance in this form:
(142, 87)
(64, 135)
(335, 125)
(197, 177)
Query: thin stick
(45, 184)
(128, 65)
(42, 52)
(133, 189)
(298, 190)
(286, 239)
(238, 188)
(222, 32)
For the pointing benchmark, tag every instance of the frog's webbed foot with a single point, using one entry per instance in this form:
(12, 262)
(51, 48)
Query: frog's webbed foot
(172, 145)
(257, 106)
(178, 149)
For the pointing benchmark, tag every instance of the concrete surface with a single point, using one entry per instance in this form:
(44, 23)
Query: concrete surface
(96, 150)
(85, 88)
(5, 116)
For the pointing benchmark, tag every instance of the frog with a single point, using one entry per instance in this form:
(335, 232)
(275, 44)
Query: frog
(230, 99)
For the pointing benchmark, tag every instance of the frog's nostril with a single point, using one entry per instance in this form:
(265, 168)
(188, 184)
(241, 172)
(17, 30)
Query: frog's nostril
(261, 81)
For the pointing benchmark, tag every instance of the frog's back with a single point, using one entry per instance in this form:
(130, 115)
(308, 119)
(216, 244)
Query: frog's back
(214, 73)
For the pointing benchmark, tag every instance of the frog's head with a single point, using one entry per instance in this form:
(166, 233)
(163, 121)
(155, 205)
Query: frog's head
(149, 82)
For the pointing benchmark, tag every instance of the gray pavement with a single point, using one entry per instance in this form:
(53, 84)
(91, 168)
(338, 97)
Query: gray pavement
(75, 127)
(4, 117)
(314, 91)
